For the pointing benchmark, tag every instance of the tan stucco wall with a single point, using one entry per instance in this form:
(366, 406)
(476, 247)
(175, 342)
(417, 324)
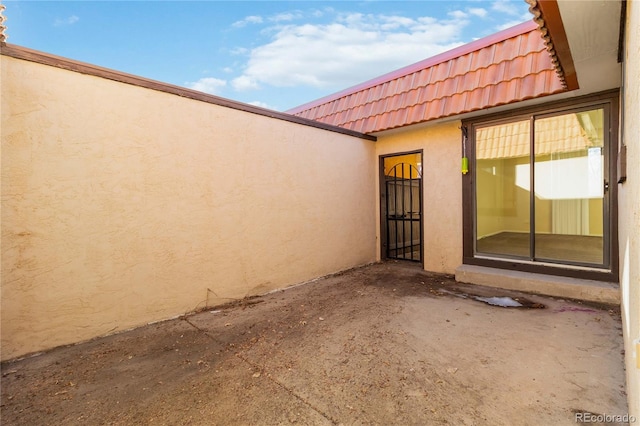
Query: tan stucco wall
(442, 183)
(123, 205)
(629, 210)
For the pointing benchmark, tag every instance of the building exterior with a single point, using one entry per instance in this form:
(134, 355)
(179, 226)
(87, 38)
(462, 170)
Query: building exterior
(520, 147)
(506, 162)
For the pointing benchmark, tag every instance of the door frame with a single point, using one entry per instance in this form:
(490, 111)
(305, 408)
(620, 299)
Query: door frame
(382, 199)
(610, 98)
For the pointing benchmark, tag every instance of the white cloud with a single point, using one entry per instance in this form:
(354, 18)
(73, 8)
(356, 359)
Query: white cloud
(244, 82)
(518, 13)
(457, 14)
(66, 21)
(248, 20)
(207, 84)
(285, 17)
(239, 51)
(320, 13)
(506, 6)
(350, 50)
(478, 11)
(261, 104)
(508, 24)
(389, 23)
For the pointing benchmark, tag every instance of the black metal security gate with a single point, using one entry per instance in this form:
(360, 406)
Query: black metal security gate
(403, 186)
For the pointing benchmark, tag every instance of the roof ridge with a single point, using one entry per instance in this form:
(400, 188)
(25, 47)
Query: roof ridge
(509, 67)
(464, 49)
(448, 96)
(432, 83)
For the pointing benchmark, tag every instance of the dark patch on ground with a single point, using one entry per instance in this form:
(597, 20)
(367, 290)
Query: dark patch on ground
(354, 348)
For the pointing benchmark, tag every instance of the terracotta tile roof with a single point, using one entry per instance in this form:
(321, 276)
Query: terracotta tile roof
(510, 66)
(3, 36)
(547, 16)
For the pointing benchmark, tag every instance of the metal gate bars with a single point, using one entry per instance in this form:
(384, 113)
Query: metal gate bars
(404, 212)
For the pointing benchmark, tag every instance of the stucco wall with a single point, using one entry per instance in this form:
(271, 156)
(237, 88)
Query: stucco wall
(123, 205)
(442, 183)
(629, 213)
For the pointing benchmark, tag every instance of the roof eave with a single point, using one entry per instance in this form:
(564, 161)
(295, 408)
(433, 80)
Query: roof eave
(546, 15)
(426, 63)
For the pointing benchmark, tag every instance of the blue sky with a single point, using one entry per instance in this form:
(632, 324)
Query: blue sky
(274, 54)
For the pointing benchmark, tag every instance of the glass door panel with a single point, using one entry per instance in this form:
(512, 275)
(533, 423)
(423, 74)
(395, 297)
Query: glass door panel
(569, 187)
(503, 190)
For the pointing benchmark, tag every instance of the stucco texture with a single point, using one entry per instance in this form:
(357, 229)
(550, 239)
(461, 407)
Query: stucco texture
(123, 205)
(629, 211)
(442, 193)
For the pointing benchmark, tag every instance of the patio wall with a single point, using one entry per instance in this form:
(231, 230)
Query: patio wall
(123, 205)
(442, 183)
(629, 210)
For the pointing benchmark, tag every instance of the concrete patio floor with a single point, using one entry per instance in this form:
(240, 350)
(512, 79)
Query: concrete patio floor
(382, 344)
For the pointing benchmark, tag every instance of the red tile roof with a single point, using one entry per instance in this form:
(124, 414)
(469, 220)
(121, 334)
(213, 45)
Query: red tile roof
(510, 66)
(547, 16)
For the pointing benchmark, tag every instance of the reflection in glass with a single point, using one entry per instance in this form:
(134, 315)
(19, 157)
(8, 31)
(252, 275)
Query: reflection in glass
(568, 180)
(502, 189)
(569, 187)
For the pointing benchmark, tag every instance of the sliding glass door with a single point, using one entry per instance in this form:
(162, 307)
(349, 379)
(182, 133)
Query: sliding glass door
(541, 187)
(569, 186)
(503, 202)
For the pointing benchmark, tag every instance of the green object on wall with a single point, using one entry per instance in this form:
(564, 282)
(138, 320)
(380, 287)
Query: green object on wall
(465, 165)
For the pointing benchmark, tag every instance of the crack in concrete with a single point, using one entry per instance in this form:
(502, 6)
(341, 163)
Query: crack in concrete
(288, 390)
(268, 375)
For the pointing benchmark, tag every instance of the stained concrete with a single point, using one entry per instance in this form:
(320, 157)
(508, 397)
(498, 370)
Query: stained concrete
(550, 285)
(384, 344)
